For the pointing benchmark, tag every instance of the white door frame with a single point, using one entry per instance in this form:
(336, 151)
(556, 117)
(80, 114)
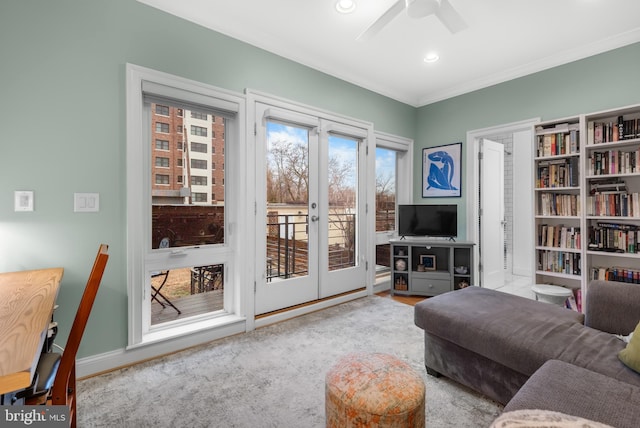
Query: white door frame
(471, 154)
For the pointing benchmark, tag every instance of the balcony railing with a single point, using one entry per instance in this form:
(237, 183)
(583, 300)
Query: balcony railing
(288, 240)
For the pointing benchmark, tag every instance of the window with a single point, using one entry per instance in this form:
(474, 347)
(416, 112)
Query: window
(179, 130)
(198, 180)
(180, 145)
(199, 197)
(198, 130)
(198, 115)
(162, 178)
(199, 147)
(199, 163)
(179, 162)
(162, 110)
(159, 219)
(162, 145)
(393, 186)
(213, 134)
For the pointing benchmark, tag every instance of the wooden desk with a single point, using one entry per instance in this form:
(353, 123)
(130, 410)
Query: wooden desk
(26, 304)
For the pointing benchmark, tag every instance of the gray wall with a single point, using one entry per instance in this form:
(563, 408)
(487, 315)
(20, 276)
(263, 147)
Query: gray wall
(596, 83)
(62, 113)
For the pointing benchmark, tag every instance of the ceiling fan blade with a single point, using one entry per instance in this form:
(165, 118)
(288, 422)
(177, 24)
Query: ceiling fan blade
(381, 22)
(450, 18)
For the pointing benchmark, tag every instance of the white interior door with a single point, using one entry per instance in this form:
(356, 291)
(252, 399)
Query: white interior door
(492, 220)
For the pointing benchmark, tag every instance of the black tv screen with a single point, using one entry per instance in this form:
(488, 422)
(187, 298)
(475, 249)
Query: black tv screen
(428, 220)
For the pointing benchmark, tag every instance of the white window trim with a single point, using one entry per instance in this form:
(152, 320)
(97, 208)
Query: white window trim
(207, 327)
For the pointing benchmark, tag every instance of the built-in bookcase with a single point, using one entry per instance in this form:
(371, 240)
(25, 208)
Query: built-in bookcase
(612, 189)
(587, 199)
(558, 203)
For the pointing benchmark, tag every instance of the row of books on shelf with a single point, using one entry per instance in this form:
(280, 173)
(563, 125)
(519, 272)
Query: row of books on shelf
(559, 236)
(558, 204)
(620, 129)
(574, 302)
(614, 162)
(558, 173)
(560, 143)
(614, 204)
(559, 262)
(615, 273)
(614, 237)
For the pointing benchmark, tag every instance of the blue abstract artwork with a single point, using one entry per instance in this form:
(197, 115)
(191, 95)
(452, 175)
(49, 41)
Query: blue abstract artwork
(441, 171)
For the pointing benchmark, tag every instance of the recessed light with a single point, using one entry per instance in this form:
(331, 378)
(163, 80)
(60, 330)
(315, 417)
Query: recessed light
(432, 57)
(345, 6)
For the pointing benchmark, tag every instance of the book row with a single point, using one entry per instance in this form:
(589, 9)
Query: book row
(612, 237)
(561, 143)
(605, 132)
(559, 236)
(559, 262)
(558, 173)
(558, 204)
(614, 204)
(620, 274)
(614, 162)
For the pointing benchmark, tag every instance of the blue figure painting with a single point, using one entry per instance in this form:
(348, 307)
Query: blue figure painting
(441, 171)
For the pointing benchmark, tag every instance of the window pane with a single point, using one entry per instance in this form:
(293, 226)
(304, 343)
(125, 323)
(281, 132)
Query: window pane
(192, 290)
(287, 186)
(385, 190)
(343, 186)
(183, 210)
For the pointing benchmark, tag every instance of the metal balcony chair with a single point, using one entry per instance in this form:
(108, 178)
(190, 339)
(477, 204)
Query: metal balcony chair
(156, 293)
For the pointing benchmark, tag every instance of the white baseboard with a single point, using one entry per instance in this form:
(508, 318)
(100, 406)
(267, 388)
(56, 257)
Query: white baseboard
(111, 360)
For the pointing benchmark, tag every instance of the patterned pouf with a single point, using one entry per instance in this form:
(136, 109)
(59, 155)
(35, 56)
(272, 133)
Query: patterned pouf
(374, 390)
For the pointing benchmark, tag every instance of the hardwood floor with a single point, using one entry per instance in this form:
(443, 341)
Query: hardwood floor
(409, 300)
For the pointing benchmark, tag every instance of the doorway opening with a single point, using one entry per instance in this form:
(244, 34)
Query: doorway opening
(500, 203)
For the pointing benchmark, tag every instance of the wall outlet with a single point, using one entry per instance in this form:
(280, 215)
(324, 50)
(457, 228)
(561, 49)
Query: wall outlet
(86, 202)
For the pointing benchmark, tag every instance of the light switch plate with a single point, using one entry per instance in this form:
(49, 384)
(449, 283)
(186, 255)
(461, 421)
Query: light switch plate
(23, 200)
(86, 202)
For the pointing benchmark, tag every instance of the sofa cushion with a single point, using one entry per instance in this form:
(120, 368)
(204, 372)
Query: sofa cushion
(630, 355)
(566, 388)
(543, 419)
(520, 333)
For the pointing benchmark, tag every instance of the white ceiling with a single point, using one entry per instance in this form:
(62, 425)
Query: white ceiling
(505, 39)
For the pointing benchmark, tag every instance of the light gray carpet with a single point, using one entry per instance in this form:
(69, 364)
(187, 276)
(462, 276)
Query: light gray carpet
(273, 376)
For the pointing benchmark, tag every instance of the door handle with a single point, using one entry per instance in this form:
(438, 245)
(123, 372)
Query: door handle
(315, 218)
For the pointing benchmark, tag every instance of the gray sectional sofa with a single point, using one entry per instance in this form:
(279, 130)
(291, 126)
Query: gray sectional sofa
(530, 354)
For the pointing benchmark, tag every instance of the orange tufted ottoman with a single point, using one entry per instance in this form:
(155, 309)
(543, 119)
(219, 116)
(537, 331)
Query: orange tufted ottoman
(374, 390)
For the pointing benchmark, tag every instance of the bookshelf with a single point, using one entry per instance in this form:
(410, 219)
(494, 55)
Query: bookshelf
(612, 192)
(587, 218)
(558, 194)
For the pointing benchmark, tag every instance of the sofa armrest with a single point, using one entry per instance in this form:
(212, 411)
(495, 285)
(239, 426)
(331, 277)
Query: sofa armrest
(612, 307)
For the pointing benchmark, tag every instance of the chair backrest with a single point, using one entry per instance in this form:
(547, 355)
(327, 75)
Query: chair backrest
(65, 378)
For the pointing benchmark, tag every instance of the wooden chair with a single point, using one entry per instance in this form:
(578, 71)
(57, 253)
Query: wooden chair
(63, 391)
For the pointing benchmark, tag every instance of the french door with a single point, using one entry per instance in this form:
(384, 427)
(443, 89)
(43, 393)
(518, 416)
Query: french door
(310, 208)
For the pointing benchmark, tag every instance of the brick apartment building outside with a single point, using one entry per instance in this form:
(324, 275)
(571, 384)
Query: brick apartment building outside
(187, 163)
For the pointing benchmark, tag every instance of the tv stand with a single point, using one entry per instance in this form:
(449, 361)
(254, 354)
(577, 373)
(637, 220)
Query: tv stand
(427, 267)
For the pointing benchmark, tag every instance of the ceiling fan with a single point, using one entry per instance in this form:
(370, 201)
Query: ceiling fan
(418, 9)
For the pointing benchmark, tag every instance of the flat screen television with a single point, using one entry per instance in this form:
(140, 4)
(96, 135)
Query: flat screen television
(428, 220)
